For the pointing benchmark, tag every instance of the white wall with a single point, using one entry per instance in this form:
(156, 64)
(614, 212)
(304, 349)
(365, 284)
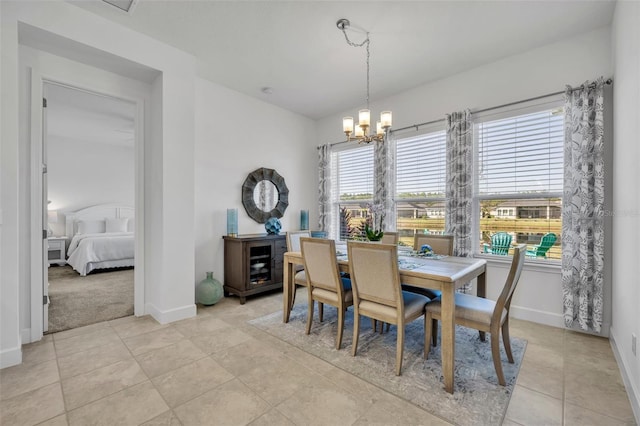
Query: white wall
(530, 74)
(86, 173)
(533, 73)
(169, 178)
(236, 134)
(626, 210)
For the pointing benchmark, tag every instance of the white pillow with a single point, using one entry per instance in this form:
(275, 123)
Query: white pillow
(91, 226)
(116, 224)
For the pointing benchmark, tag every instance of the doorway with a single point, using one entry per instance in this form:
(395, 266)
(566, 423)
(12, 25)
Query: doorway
(89, 148)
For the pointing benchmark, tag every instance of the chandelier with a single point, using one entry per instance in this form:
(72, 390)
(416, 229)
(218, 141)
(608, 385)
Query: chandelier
(364, 115)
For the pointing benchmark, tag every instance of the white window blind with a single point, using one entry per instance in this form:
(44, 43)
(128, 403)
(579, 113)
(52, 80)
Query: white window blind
(353, 188)
(519, 180)
(420, 185)
(521, 155)
(355, 173)
(421, 166)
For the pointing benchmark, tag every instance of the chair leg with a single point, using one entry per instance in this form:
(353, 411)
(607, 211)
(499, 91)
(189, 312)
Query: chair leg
(434, 332)
(374, 324)
(427, 334)
(399, 348)
(293, 299)
(356, 332)
(495, 352)
(388, 327)
(340, 328)
(506, 341)
(309, 314)
(321, 311)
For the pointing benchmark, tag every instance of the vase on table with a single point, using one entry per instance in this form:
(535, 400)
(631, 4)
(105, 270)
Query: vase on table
(209, 291)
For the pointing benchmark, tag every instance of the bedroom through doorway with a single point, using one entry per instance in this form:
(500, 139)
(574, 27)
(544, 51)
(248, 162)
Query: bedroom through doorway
(89, 188)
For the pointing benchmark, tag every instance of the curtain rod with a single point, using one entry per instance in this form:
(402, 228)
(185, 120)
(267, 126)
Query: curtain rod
(416, 126)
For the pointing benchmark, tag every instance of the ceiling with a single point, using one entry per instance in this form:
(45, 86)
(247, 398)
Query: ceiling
(79, 116)
(295, 48)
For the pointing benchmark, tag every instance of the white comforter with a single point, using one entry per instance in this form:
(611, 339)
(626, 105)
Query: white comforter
(90, 248)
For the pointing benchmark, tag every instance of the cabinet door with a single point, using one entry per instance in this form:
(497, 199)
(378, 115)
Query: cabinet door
(280, 249)
(259, 261)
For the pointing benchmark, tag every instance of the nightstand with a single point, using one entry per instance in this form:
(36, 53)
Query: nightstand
(56, 251)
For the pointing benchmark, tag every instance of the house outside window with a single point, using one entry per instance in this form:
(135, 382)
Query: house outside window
(519, 177)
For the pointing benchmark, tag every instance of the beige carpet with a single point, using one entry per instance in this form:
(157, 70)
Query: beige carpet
(78, 301)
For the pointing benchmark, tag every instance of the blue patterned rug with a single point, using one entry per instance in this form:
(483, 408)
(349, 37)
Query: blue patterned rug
(477, 397)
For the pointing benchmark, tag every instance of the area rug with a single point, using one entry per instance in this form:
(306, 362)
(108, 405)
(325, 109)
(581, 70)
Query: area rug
(477, 397)
(77, 301)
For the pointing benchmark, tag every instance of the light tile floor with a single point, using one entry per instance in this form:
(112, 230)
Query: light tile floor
(217, 369)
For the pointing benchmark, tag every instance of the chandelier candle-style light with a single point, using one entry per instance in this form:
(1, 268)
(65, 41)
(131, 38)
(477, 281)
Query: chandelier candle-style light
(364, 115)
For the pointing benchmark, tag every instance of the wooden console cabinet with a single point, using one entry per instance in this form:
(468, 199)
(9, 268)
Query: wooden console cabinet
(253, 263)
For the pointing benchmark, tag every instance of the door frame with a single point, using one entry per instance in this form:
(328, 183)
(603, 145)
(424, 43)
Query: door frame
(38, 258)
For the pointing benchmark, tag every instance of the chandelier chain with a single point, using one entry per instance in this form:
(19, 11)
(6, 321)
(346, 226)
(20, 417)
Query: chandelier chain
(362, 134)
(366, 42)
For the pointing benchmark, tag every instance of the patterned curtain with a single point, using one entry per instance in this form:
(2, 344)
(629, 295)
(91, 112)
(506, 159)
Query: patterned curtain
(582, 207)
(459, 185)
(324, 189)
(384, 179)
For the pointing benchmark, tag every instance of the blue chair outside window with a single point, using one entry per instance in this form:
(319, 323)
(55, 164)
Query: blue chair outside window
(500, 244)
(540, 250)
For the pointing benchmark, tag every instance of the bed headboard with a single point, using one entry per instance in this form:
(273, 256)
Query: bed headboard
(98, 212)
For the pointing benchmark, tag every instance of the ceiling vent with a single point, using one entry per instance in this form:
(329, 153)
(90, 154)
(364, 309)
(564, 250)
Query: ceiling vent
(124, 5)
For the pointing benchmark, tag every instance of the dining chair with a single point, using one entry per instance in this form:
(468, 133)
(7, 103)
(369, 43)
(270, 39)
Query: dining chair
(324, 283)
(390, 237)
(300, 279)
(540, 250)
(375, 280)
(500, 244)
(441, 244)
(482, 314)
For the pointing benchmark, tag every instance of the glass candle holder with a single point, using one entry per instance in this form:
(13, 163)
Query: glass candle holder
(304, 220)
(232, 222)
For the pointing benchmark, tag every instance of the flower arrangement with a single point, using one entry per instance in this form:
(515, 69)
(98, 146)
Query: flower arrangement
(374, 223)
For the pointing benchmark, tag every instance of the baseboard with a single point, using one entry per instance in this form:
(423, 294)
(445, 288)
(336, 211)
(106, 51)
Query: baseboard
(534, 315)
(632, 391)
(10, 357)
(176, 314)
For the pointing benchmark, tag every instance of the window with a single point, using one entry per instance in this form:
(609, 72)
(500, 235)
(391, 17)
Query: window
(519, 170)
(420, 185)
(353, 189)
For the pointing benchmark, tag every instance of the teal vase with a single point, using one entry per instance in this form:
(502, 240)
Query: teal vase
(209, 291)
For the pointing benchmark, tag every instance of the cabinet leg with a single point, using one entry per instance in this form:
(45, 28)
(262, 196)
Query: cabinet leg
(242, 300)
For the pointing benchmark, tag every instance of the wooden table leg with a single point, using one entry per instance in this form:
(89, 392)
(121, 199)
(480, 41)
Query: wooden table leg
(287, 287)
(448, 335)
(286, 291)
(481, 291)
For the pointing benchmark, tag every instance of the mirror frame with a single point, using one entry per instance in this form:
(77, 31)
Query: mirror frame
(249, 186)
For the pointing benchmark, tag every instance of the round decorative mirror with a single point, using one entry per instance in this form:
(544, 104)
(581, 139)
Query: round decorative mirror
(264, 195)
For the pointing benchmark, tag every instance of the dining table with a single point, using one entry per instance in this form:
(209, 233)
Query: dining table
(444, 273)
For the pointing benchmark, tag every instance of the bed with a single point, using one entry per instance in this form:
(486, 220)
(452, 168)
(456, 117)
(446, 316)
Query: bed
(100, 237)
